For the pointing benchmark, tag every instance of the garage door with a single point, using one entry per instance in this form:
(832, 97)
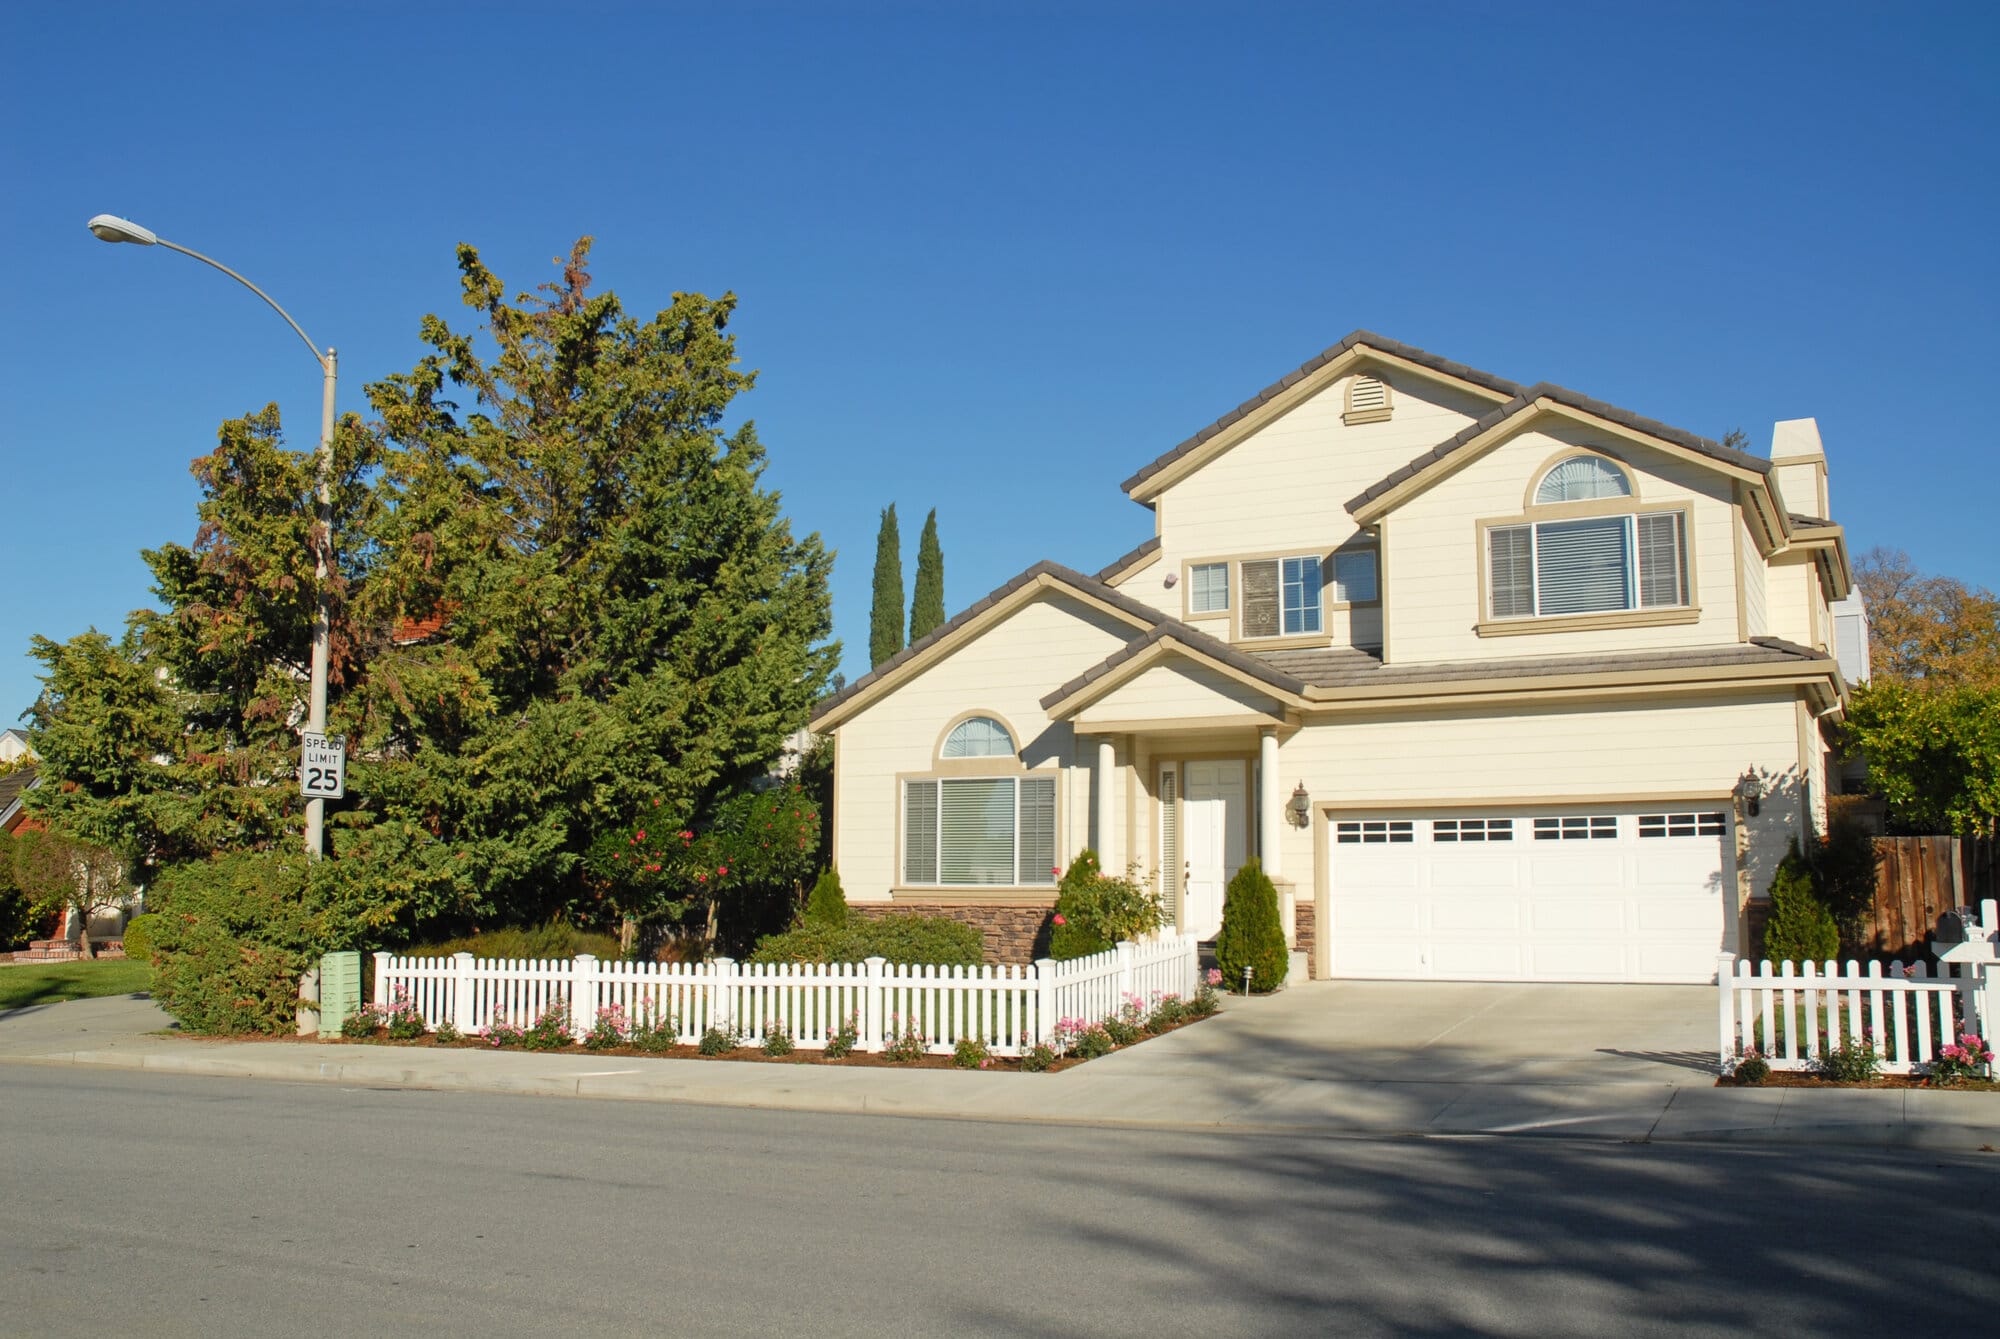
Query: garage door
(1612, 894)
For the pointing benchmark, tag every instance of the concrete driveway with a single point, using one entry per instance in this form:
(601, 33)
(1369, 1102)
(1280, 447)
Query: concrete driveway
(1453, 1033)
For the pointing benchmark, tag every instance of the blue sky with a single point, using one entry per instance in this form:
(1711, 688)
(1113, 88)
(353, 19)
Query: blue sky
(992, 258)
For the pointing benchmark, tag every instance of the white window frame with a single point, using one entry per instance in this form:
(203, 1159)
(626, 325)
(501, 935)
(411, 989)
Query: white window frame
(1195, 606)
(1042, 878)
(1635, 570)
(1316, 610)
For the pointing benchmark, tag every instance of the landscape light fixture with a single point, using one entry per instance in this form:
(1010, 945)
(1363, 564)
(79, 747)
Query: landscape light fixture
(111, 228)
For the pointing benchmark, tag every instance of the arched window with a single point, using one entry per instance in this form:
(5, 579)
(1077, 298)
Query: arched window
(1582, 478)
(979, 737)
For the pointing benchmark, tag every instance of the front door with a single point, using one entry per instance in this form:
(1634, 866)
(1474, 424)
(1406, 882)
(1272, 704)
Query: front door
(1215, 807)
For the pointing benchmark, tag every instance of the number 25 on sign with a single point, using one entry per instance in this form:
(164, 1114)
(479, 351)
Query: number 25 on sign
(323, 766)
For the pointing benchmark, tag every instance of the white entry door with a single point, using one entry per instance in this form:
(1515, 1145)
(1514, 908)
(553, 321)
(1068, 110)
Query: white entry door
(1215, 807)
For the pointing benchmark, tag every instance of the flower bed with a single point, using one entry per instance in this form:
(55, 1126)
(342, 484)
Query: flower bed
(1074, 1040)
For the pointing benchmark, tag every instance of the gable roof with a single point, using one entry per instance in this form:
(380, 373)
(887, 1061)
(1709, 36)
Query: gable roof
(1562, 395)
(1363, 339)
(1045, 573)
(1177, 635)
(1116, 570)
(12, 787)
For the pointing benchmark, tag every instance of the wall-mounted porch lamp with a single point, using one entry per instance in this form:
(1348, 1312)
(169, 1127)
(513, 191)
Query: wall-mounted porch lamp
(1750, 792)
(1301, 805)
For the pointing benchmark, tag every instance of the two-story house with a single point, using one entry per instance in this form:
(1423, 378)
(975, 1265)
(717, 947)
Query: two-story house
(1501, 682)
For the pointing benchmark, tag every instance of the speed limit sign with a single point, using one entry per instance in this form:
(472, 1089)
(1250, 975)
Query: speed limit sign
(323, 766)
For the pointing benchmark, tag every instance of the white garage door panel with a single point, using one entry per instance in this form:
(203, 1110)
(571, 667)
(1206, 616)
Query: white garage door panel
(1602, 904)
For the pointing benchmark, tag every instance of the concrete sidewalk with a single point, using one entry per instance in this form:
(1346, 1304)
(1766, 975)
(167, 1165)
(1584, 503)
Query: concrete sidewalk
(1259, 1068)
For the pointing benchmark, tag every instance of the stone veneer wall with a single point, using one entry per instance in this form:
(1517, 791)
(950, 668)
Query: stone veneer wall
(1012, 934)
(1305, 928)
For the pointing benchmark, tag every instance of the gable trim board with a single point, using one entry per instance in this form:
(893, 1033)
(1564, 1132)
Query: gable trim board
(1298, 386)
(1160, 646)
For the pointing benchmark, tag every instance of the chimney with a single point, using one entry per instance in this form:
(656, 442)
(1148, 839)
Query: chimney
(1800, 459)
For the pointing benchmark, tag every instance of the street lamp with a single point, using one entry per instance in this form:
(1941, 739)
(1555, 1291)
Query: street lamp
(111, 228)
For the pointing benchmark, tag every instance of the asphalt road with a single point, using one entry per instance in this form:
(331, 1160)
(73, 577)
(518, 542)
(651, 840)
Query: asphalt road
(166, 1205)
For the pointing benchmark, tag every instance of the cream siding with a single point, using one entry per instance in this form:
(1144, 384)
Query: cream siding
(1435, 564)
(1286, 486)
(1756, 608)
(1175, 690)
(1791, 590)
(1003, 672)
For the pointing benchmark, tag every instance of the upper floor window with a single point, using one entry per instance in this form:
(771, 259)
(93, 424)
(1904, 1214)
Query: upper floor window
(1583, 479)
(1595, 564)
(1208, 588)
(1281, 596)
(1354, 577)
(979, 737)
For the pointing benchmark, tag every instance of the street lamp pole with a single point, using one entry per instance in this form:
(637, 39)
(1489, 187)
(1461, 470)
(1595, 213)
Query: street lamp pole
(110, 228)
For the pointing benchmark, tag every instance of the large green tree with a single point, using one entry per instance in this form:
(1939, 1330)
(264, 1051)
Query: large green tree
(1933, 754)
(885, 616)
(927, 604)
(563, 597)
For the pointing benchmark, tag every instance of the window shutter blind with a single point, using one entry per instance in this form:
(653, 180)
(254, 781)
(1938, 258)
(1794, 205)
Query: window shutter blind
(920, 805)
(1209, 588)
(1583, 566)
(1512, 569)
(1170, 846)
(1354, 576)
(1662, 575)
(976, 831)
(1037, 858)
(1260, 598)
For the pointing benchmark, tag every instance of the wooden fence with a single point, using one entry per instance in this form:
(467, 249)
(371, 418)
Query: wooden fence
(1919, 878)
(1009, 1008)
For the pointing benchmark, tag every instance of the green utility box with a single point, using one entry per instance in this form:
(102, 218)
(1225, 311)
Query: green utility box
(339, 990)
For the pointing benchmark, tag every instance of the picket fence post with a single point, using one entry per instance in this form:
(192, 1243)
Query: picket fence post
(873, 1003)
(462, 1013)
(722, 997)
(582, 995)
(1725, 971)
(1045, 1000)
(382, 980)
(1126, 948)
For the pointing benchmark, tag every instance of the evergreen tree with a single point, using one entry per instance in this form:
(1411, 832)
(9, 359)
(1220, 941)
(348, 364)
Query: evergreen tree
(1251, 934)
(828, 904)
(927, 605)
(1801, 928)
(885, 618)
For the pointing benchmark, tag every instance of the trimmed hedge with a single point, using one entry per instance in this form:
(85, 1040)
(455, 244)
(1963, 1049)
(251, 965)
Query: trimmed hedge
(139, 936)
(1251, 933)
(230, 939)
(554, 940)
(899, 938)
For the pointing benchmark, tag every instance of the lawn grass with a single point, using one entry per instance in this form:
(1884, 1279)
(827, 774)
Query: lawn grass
(50, 982)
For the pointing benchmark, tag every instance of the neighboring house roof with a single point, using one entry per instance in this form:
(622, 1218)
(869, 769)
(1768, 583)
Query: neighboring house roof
(12, 787)
(1544, 390)
(412, 630)
(1360, 338)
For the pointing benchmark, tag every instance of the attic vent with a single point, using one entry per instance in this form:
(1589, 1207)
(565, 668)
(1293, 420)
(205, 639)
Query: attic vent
(1367, 399)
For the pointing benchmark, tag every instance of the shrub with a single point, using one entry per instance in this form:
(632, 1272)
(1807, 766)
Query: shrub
(550, 1032)
(501, 1033)
(827, 904)
(1206, 995)
(553, 940)
(842, 1040)
(1800, 928)
(654, 1032)
(1847, 864)
(1961, 1059)
(1094, 910)
(1752, 1067)
(778, 1039)
(1128, 1024)
(1251, 935)
(906, 1044)
(901, 938)
(609, 1031)
(363, 1022)
(1167, 1011)
(970, 1053)
(406, 1024)
(230, 939)
(1090, 1041)
(139, 937)
(448, 1034)
(1038, 1058)
(717, 1041)
(1855, 1060)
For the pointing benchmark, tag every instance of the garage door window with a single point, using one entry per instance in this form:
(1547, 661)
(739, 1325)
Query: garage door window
(1682, 825)
(1577, 828)
(1373, 830)
(1472, 830)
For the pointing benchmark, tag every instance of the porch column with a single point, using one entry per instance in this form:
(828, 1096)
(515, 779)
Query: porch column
(1270, 806)
(1107, 759)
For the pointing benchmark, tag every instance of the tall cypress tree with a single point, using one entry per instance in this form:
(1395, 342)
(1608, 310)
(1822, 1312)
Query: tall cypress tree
(927, 606)
(885, 620)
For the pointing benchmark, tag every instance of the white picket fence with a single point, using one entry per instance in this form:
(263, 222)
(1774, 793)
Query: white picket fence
(1793, 1014)
(1008, 1008)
